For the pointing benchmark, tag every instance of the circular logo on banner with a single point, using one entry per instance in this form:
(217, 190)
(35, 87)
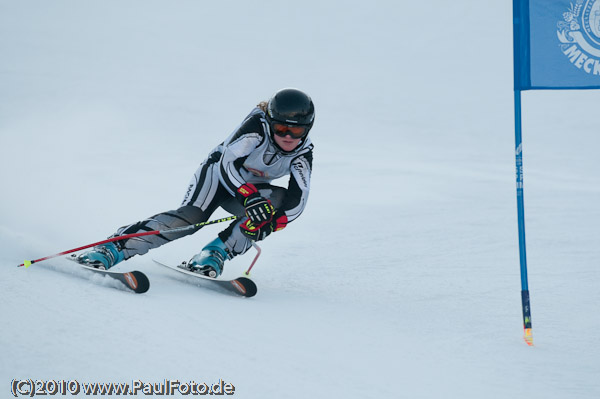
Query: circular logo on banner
(579, 35)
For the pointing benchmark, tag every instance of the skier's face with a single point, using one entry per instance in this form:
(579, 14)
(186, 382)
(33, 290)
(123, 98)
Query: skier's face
(287, 143)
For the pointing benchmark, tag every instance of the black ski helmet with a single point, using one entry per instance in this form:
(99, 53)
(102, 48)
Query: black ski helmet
(291, 107)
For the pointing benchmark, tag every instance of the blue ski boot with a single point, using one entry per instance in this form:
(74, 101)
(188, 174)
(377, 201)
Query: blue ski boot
(101, 257)
(210, 261)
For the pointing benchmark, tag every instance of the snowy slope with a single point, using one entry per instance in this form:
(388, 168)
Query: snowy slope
(402, 277)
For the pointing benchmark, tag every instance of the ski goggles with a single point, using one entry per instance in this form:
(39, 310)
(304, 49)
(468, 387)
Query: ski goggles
(296, 132)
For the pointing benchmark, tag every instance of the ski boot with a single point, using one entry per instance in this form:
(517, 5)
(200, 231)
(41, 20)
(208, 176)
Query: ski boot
(210, 261)
(101, 257)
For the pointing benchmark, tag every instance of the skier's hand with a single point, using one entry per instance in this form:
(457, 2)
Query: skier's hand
(259, 209)
(261, 231)
(256, 232)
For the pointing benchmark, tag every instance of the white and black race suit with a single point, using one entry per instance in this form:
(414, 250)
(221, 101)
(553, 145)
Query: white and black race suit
(248, 155)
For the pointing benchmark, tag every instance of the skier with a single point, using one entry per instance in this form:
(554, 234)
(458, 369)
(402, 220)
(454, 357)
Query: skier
(270, 143)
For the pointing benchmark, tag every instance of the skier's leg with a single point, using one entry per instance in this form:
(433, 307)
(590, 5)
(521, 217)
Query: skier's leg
(183, 216)
(107, 255)
(201, 199)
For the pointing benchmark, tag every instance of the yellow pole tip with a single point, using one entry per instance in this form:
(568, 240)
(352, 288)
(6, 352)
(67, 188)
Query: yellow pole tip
(528, 337)
(27, 263)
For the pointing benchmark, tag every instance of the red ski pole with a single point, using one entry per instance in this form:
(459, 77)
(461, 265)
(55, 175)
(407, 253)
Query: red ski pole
(258, 251)
(28, 263)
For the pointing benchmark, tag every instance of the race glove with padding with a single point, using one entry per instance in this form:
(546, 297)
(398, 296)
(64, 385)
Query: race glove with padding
(261, 231)
(258, 208)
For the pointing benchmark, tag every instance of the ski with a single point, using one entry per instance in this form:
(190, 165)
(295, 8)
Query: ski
(242, 286)
(134, 280)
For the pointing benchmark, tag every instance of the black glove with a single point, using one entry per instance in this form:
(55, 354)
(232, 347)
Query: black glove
(256, 233)
(258, 209)
(262, 231)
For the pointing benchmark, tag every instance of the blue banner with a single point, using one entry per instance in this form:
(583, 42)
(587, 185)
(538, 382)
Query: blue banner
(556, 44)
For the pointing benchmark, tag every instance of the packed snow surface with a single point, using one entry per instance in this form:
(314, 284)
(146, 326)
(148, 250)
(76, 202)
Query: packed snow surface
(400, 280)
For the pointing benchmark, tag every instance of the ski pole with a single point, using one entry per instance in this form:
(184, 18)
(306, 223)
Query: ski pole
(258, 251)
(28, 263)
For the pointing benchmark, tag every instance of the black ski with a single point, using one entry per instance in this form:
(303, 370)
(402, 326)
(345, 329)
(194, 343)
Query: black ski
(241, 286)
(135, 280)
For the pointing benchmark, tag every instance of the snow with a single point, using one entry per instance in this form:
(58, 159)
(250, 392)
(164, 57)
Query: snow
(401, 279)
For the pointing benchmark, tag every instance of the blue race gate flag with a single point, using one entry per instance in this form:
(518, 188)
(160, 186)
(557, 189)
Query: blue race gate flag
(557, 44)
